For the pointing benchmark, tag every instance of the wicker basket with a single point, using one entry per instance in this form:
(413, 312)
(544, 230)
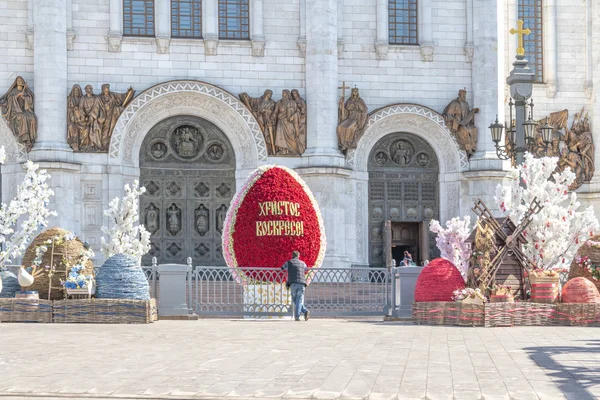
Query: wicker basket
(533, 314)
(71, 249)
(577, 315)
(464, 314)
(502, 298)
(20, 310)
(430, 313)
(544, 289)
(593, 253)
(447, 313)
(499, 314)
(105, 311)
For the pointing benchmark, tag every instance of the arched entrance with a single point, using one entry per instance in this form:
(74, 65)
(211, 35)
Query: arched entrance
(403, 197)
(187, 165)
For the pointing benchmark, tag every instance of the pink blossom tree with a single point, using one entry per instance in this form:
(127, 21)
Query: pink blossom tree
(451, 241)
(559, 229)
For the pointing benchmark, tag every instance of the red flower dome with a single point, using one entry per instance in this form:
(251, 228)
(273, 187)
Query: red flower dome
(437, 281)
(273, 214)
(580, 290)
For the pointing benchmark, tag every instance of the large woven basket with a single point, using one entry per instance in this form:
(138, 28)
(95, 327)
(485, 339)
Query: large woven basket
(593, 253)
(71, 250)
(121, 277)
(580, 290)
(10, 285)
(544, 289)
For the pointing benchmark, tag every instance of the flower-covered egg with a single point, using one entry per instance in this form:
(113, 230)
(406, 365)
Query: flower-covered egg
(273, 214)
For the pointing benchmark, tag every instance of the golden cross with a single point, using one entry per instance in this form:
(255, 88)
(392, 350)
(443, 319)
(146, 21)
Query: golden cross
(520, 33)
(344, 87)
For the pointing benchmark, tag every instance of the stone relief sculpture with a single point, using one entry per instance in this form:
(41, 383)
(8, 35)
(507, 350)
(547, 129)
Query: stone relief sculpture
(402, 154)
(91, 118)
(352, 118)
(152, 219)
(173, 219)
(283, 123)
(17, 107)
(220, 217)
(460, 119)
(578, 151)
(202, 220)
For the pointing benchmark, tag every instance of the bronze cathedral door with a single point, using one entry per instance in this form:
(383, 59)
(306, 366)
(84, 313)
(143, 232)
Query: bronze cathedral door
(403, 198)
(188, 168)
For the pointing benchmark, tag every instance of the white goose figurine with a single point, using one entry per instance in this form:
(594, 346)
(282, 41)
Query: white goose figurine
(25, 278)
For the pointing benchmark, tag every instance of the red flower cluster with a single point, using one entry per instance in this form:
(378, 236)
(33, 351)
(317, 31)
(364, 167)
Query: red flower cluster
(271, 251)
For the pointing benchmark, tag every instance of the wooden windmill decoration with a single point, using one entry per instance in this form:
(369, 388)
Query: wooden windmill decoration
(509, 261)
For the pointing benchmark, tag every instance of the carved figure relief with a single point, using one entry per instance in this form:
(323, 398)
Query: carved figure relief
(17, 107)
(158, 150)
(283, 123)
(220, 217)
(152, 218)
(186, 141)
(402, 153)
(574, 146)
(423, 159)
(91, 118)
(173, 219)
(215, 152)
(352, 118)
(460, 119)
(202, 220)
(381, 158)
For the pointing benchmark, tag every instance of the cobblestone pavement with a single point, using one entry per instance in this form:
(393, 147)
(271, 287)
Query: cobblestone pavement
(322, 359)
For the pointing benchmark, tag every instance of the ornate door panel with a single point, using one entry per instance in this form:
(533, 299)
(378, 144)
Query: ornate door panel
(187, 167)
(403, 187)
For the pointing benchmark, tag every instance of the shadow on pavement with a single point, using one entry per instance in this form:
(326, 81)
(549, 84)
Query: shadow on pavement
(562, 365)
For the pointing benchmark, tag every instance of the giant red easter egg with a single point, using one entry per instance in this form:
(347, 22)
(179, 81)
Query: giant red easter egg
(273, 214)
(437, 281)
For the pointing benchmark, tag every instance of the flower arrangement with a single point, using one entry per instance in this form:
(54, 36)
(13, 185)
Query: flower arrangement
(468, 293)
(586, 263)
(272, 214)
(451, 241)
(76, 278)
(126, 236)
(33, 198)
(559, 229)
(502, 290)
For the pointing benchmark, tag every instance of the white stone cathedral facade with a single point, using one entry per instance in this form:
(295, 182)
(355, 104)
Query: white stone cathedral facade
(408, 59)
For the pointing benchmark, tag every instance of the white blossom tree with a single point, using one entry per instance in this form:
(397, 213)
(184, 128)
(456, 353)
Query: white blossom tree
(126, 235)
(451, 241)
(32, 200)
(558, 230)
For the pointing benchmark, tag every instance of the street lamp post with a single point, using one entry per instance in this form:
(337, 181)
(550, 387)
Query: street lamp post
(520, 131)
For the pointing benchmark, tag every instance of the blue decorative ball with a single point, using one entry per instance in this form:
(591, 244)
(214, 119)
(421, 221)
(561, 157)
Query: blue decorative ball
(121, 277)
(10, 285)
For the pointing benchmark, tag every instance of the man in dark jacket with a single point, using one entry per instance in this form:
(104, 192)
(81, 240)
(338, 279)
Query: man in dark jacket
(297, 281)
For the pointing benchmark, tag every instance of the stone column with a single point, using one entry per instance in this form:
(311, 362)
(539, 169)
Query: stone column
(257, 34)
(210, 22)
(549, 31)
(322, 83)
(595, 120)
(488, 80)
(115, 30)
(383, 38)
(162, 14)
(50, 77)
(51, 150)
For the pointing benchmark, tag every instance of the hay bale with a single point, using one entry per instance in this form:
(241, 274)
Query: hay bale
(580, 290)
(437, 281)
(70, 251)
(121, 277)
(10, 285)
(593, 253)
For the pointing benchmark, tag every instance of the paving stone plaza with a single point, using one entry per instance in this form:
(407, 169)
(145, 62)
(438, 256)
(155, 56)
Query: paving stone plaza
(321, 359)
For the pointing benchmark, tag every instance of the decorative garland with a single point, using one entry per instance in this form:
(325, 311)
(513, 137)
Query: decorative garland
(272, 214)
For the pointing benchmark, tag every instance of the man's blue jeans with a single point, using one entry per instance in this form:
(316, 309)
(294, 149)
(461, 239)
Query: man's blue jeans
(297, 290)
